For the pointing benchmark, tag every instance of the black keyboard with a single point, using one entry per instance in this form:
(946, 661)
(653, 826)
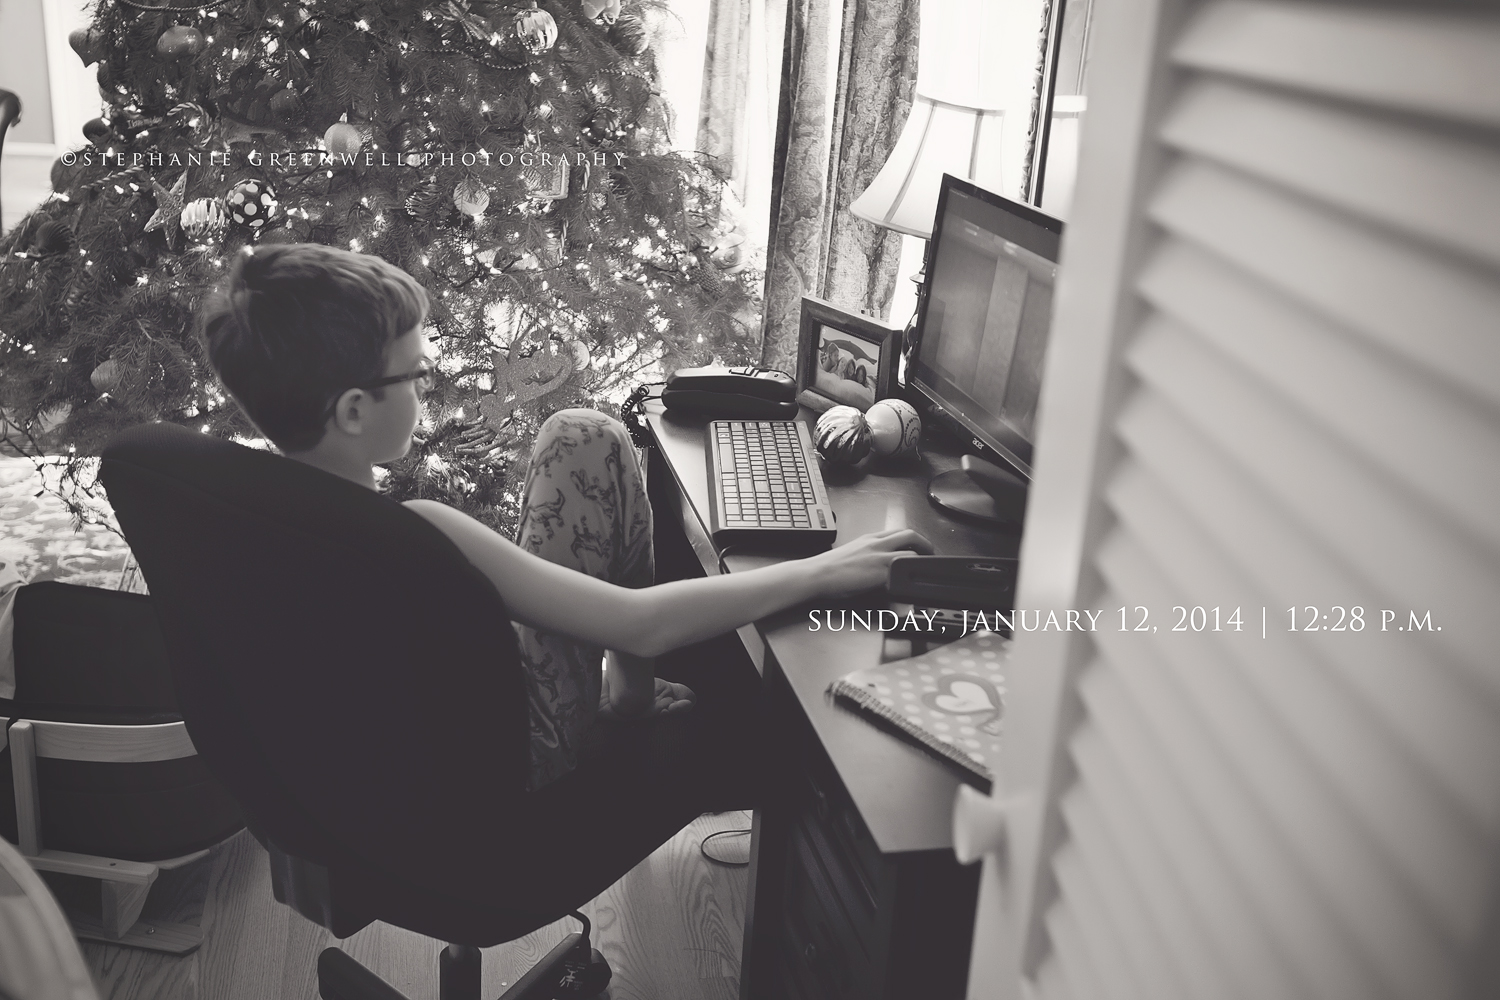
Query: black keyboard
(765, 486)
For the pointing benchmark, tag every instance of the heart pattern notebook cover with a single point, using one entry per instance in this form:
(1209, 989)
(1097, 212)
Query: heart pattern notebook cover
(950, 699)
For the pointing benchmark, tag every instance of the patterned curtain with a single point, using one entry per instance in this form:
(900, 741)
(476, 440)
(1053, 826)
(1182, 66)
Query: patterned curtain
(849, 68)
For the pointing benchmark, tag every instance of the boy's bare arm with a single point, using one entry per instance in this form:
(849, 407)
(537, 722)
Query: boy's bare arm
(656, 619)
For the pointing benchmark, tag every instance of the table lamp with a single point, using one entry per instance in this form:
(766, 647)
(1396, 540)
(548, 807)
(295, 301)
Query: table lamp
(940, 137)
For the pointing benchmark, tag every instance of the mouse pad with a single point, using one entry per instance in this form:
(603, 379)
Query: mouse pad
(950, 700)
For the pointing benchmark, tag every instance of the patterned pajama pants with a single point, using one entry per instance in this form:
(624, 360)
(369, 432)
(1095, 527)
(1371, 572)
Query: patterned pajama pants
(585, 508)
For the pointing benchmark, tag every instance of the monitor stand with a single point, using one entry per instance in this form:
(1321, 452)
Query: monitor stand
(982, 492)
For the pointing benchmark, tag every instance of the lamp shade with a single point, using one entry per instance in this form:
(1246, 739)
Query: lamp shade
(939, 138)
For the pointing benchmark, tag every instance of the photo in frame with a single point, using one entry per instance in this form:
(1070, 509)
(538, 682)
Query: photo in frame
(844, 358)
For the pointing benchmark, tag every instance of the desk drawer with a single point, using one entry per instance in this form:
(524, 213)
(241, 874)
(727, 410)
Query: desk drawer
(822, 949)
(855, 901)
(847, 843)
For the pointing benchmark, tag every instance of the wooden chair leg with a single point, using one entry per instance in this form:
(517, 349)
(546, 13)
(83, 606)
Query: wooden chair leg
(121, 904)
(123, 885)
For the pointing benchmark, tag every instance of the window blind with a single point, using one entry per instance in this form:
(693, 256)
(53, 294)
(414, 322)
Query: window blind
(1310, 419)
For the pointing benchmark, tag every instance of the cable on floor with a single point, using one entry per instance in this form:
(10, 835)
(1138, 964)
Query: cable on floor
(735, 854)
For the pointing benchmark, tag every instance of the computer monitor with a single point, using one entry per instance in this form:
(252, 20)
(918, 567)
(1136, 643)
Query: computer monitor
(981, 338)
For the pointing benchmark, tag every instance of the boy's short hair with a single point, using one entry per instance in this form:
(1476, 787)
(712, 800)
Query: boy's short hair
(297, 324)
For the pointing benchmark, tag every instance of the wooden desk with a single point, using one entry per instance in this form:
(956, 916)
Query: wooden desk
(855, 891)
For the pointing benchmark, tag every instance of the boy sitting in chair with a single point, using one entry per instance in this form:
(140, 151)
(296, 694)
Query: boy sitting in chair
(323, 349)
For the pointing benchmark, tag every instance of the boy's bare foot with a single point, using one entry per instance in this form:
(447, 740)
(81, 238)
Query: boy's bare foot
(669, 698)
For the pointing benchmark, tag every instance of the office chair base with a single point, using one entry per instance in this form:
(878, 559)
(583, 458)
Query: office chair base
(342, 978)
(573, 970)
(460, 972)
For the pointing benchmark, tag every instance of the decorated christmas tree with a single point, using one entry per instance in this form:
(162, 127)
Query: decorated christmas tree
(514, 158)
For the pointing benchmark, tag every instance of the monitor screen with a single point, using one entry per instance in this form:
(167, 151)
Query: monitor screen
(983, 326)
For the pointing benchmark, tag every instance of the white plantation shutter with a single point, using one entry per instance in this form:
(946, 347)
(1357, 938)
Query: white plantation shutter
(1274, 381)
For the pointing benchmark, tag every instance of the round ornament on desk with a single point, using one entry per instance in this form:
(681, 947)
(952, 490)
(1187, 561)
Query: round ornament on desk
(342, 139)
(204, 219)
(471, 197)
(895, 427)
(180, 43)
(251, 203)
(842, 436)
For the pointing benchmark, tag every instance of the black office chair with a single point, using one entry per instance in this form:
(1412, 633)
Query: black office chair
(353, 681)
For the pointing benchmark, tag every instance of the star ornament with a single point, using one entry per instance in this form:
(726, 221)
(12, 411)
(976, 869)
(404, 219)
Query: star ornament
(169, 204)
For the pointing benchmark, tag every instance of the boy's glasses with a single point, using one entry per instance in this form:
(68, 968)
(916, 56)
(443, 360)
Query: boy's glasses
(423, 376)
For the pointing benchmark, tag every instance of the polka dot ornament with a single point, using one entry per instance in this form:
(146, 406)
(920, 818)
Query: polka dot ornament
(251, 203)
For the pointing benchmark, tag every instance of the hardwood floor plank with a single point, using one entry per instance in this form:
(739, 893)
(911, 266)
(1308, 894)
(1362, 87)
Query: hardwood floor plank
(244, 929)
(670, 927)
(305, 941)
(407, 961)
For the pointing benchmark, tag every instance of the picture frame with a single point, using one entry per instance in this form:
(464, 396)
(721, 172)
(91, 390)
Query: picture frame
(844, 358)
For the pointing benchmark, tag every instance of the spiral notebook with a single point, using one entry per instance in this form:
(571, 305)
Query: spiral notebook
(951, 700)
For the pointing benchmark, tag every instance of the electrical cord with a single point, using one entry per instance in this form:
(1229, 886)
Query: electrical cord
(725, 553)
(633, 412)
(725, 858)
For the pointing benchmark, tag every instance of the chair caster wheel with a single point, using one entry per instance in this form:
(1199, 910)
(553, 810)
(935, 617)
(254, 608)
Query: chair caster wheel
(583, 980)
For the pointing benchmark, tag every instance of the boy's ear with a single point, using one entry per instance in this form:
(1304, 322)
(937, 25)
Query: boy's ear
(349, 411)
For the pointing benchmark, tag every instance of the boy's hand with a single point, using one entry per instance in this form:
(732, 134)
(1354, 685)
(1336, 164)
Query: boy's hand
(670, 699)
(866, 561)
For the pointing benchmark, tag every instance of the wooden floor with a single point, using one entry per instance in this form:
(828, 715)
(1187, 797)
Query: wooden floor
(671, 930)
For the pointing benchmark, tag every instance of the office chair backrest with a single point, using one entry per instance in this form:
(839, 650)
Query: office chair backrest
(340, 665)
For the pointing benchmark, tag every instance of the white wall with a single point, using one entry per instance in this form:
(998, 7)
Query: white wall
(23, 69)
(58, 94)
(74, 88)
